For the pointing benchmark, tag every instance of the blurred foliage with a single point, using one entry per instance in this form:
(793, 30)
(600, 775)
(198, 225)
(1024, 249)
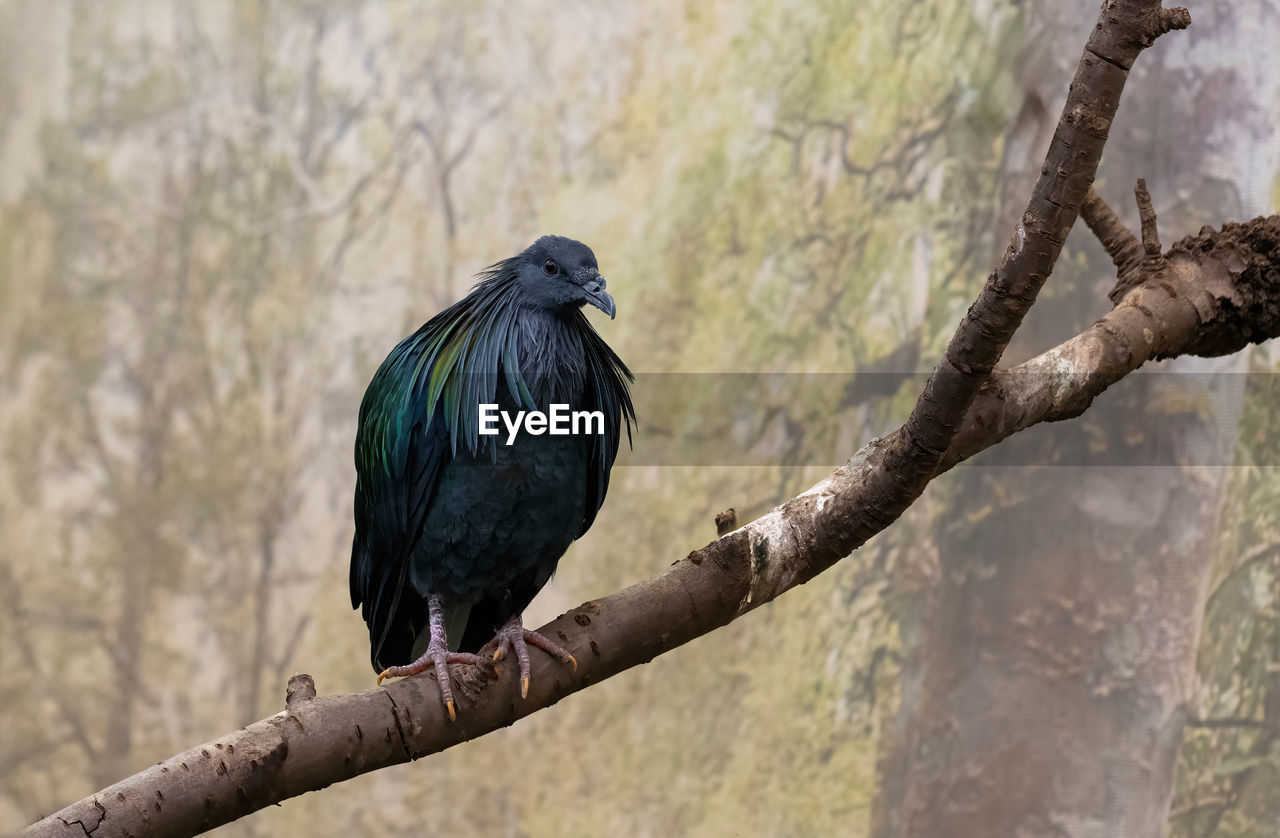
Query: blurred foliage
(236, 208)
(1230, 761)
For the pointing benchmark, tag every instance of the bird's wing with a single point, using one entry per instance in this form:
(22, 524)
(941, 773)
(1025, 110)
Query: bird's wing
(418, 410)
(399, 455)
(606, 390)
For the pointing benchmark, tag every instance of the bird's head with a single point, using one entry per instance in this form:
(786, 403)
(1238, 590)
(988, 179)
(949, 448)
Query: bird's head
(560, 274)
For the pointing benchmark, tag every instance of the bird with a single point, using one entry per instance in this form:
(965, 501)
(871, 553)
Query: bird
(457, 530)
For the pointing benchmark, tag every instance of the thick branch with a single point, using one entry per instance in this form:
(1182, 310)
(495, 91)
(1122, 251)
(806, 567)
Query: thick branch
(915, 452)
(1218, 292)
(319, 741)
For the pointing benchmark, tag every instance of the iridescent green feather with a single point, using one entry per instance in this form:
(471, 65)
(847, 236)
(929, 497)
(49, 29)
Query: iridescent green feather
(454, 360)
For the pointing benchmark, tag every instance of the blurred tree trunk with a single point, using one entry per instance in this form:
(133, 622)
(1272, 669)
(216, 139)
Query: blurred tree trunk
(144, 501)
(1049, 661)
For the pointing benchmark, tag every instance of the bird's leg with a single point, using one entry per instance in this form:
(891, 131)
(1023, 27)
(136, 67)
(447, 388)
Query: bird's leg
(513, 636)
(437, 655)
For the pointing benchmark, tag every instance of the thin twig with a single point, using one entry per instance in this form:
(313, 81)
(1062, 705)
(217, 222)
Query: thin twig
(1120, 243)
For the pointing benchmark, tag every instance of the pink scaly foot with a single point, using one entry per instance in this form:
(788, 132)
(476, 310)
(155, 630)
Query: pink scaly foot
(438, 656)
(513, 636)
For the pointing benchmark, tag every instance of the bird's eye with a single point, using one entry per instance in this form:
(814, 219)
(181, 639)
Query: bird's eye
(550, 268)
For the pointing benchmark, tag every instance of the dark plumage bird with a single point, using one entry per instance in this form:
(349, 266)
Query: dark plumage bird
(457, 531)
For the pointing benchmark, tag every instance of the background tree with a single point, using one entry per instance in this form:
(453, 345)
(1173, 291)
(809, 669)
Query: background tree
(1068, 587)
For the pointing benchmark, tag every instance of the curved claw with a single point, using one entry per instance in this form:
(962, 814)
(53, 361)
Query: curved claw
(438, 660)
(516, 639)
(438, 657)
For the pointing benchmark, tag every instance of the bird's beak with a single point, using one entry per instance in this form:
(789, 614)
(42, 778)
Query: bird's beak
(598, 297)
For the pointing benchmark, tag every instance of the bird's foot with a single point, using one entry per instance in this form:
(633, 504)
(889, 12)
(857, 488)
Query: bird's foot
(438, 657)
(514, 637)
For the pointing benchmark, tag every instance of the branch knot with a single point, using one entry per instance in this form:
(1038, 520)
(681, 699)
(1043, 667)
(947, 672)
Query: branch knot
(301, 688)
(1161, 21)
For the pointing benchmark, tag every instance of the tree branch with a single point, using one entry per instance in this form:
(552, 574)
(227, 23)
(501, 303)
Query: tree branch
(1147, 218)
(1212, 294)
(1228, 294)
(1124, 249)
(322, 740)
